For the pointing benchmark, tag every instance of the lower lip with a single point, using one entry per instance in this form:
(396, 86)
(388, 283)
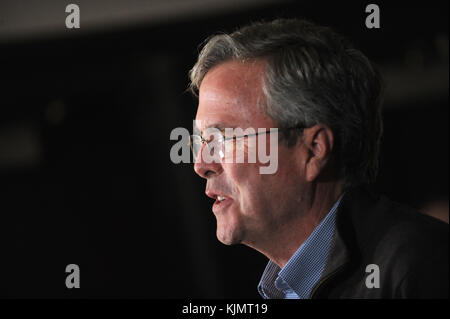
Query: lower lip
(220, 206)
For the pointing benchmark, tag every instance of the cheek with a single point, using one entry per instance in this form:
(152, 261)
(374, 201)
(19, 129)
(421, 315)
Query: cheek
(248, 186)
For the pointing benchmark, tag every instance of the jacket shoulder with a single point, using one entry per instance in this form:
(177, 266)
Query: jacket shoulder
(410, 248)
(376, 218)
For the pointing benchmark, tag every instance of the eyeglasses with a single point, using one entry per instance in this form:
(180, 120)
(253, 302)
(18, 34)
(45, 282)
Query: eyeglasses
(217, 140)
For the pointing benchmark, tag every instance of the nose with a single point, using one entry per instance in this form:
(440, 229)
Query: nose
(207, 168)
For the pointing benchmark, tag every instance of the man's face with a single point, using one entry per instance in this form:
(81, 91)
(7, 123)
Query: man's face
(256, 205)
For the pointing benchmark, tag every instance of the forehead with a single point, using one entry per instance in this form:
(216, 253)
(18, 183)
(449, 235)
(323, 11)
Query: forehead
(231, 95)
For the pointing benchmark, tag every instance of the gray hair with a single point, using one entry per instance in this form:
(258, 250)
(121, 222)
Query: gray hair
(313, 75)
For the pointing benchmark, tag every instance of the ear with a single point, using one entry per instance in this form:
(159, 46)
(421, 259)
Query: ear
(319, 142)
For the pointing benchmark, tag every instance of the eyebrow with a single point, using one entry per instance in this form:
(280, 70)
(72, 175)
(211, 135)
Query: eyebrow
(219, 126)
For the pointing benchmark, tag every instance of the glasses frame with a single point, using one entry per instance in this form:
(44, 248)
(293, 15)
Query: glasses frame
(224, 139)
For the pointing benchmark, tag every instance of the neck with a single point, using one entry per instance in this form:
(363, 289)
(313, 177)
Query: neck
(288, 237)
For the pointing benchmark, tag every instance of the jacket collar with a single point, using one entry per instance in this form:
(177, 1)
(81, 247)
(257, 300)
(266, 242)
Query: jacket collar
(353, 227)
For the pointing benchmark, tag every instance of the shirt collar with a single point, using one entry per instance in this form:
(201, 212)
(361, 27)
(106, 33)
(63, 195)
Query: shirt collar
(305, 267)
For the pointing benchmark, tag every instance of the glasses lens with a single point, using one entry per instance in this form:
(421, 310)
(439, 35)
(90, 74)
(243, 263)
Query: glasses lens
(215, 145)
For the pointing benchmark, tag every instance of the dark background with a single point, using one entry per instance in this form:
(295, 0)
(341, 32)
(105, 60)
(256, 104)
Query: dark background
(85, 120)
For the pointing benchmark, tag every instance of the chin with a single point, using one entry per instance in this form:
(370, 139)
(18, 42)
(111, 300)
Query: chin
(228, 242)
(228, 236)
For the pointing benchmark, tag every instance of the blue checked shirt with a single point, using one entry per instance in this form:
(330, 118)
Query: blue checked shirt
(303, 270)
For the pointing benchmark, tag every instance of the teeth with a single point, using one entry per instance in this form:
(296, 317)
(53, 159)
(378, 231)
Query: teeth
(220, 198)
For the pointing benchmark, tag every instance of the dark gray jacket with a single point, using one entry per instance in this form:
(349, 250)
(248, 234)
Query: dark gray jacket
(409, 248)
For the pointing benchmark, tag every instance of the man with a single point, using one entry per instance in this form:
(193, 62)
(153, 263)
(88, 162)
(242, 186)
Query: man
(325, 234)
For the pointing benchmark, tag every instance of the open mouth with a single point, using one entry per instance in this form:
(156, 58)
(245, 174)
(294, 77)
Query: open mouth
(220, 203)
